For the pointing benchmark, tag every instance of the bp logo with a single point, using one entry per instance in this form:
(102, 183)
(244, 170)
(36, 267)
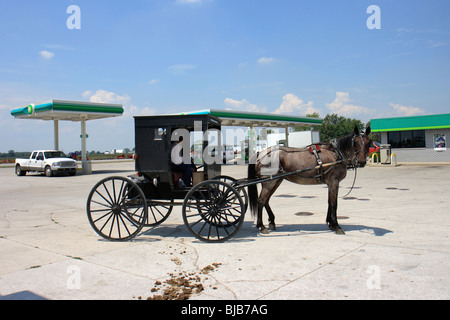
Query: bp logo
(31, 109)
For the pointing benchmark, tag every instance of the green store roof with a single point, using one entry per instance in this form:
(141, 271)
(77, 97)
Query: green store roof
(429, 122)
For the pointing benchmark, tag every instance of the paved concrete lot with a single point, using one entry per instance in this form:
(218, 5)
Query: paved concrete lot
(396, 245)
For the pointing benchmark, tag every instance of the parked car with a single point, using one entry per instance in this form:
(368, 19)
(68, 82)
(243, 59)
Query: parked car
(49, 162)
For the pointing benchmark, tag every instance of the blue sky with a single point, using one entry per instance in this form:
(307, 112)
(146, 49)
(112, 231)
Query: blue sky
(170, 56)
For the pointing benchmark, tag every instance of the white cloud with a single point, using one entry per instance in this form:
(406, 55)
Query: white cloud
(130, 110)
(293, 104)
(103, 96)
(406, 111)
(266, 61)
(341, 105)
(243, 105)
(181, 69)
(46, 54)
(153, 81)
(426, 38)
(87, 94)
(147, 111)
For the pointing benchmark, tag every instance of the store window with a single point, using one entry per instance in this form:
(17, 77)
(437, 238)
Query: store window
(407, 139)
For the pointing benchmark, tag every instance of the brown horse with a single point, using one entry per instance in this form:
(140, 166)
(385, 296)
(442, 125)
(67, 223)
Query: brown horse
(325, 163)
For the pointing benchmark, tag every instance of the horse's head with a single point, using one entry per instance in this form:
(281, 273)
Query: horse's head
(361, 146)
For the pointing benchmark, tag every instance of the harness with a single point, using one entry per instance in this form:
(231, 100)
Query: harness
(315, 149)
(341, 158)
(350, 163)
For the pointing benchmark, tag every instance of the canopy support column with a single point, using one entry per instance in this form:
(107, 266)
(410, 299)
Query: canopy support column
(56, 134)
(251, 143)
(287, 136)
(85, 164)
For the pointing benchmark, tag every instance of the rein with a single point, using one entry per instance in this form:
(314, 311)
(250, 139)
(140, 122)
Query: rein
(351, 164)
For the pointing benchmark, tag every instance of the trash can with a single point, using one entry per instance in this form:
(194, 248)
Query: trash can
(385, 153)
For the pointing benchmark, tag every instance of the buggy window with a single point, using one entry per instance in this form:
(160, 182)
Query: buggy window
(160, 133)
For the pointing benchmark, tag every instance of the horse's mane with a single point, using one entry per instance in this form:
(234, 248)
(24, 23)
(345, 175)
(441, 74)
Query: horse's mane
(345, 143)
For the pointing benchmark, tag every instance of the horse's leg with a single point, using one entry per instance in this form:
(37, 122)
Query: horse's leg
(272, 225)
(268, 188)
(260, 205)
(333, 189)
(268, 208)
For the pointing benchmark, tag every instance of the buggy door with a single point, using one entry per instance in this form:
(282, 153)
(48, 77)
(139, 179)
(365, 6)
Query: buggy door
(153, 149)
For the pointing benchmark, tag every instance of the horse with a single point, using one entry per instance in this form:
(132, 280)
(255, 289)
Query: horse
(324, 163)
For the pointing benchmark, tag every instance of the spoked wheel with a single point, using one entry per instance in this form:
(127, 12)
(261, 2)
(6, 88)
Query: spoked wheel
(213, 211)
(232, 181)
(158, 212)
(117, 209)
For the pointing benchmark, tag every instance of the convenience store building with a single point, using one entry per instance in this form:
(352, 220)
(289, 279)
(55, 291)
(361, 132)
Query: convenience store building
(417, 138)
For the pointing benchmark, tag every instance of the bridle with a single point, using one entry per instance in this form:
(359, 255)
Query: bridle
(352, 161)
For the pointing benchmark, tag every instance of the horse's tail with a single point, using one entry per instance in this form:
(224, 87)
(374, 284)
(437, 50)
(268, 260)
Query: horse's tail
(252, 189)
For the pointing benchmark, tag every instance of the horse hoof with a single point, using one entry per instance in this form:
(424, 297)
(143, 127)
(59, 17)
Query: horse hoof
(264, 231)
(272, 226)
(336, 229)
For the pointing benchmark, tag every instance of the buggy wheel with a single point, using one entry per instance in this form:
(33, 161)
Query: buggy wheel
(233, 182)
(213, 211)
(117, 209)
(158, 212)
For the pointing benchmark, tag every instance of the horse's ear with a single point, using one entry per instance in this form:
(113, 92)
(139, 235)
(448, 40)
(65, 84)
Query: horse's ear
(356, 131)
(368, 130)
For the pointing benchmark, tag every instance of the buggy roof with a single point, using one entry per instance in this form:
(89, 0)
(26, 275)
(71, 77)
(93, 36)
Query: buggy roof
(179, 121)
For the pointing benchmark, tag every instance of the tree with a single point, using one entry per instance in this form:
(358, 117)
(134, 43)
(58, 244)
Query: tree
(334, 126)
(376, 136)
(306, 127)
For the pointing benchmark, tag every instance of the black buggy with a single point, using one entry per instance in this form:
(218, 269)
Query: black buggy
(213, 208)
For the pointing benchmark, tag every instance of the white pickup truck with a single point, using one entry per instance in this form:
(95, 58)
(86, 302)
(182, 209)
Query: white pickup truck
(49, 162)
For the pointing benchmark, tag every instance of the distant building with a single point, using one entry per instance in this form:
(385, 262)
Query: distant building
(298, 139)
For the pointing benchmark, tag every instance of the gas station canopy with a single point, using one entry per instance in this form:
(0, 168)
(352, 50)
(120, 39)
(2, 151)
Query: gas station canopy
(70, 111)
(252, 119)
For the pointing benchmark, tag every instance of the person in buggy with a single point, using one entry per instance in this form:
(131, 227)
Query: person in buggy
(181, 171)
